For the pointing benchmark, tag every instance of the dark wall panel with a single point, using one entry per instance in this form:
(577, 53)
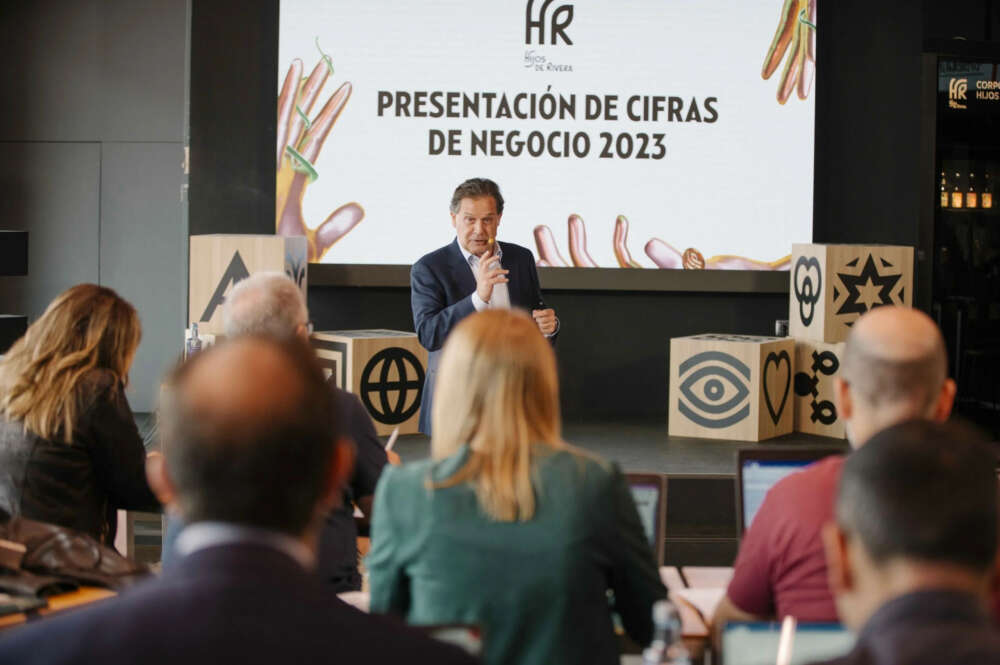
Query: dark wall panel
(142, 51)
(50, 190)
(234, 91)
(50, 71)
(142, 248)
(960, 19)
(613, 348)
(868, 76)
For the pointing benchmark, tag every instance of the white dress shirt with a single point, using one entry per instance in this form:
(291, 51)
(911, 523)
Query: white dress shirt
(202, 535)
(501, 296)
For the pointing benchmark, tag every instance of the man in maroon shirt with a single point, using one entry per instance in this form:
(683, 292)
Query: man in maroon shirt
(894, 369)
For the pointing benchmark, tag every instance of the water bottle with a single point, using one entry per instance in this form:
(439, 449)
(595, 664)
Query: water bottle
(194, 342)
(667, 646)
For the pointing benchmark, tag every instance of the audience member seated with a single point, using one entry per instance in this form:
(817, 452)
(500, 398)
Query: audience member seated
(912, 552)
(508, 527)
(70, 452)
(248, 462)
(269, 303)
(894, 368)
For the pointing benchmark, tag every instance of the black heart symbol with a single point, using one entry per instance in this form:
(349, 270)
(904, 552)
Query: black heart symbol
(777, 359)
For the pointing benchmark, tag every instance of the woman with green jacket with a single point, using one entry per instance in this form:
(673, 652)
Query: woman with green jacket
(507, 527)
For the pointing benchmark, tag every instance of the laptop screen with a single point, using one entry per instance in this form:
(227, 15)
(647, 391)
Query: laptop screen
(757, 643)
(759, 476)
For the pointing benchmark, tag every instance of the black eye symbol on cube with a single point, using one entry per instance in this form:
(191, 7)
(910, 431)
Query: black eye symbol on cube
(825, 363)
(705, 398)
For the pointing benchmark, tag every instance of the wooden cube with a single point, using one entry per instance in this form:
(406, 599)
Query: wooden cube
(385, 368)
(731, 386)
(219, 261)
(832, 285)
(816, 365)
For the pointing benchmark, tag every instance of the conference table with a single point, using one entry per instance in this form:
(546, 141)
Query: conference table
(58, 603)
(694, 590)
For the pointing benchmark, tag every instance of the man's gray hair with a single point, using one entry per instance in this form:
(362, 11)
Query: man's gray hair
(265, 303)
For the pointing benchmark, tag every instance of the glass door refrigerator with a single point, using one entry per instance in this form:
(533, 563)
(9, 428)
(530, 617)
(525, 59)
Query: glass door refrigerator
(965, 283)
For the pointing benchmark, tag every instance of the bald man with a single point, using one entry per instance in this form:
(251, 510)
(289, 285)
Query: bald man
(248, 461)
(894, 369)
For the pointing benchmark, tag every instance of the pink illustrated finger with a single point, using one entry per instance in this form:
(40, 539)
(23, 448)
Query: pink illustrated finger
(807, 46)
(790, 75)
(336, 226)
(304, 102)
(782, 37)
(663, 255)
(620, 242)
(811, 44)
(548, 250)
(578, 243)
(286, 104)
(321, 126)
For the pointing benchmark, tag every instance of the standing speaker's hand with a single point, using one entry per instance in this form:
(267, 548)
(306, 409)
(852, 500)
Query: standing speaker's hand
(489, 272)
(545, 319)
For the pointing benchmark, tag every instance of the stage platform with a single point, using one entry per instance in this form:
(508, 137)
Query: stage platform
(645, 447)
(701, 526)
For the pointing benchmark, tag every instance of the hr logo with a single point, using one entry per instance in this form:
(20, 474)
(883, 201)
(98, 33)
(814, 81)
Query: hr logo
(956, 92)
(807, 293)
(560, 20)
(825, 363)
(377, 377)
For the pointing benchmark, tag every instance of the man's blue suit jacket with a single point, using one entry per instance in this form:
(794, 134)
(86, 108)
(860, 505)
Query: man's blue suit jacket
(239, 603)
(441, 288)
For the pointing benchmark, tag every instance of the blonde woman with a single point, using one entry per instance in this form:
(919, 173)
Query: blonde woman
(507, 527)
(70, 453)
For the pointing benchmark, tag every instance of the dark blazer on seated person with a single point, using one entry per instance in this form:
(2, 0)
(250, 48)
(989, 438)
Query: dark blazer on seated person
(79, 485)
(236, 603)
(537, 588)
(441, 288)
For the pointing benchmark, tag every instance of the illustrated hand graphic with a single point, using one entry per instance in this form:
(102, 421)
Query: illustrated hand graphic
(796, 35)
(660, 253)
(299, 143)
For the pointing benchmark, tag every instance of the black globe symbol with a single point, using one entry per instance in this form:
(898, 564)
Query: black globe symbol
(392, 374)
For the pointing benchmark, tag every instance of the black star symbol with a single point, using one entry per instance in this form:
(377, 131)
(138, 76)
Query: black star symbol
(852, 283)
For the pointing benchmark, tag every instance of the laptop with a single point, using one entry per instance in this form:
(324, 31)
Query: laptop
(758, 469)
(756, 643)
(649, 491)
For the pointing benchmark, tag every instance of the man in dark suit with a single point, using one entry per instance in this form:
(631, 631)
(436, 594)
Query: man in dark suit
(472, 273)
(270, 303)
(248, 462)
